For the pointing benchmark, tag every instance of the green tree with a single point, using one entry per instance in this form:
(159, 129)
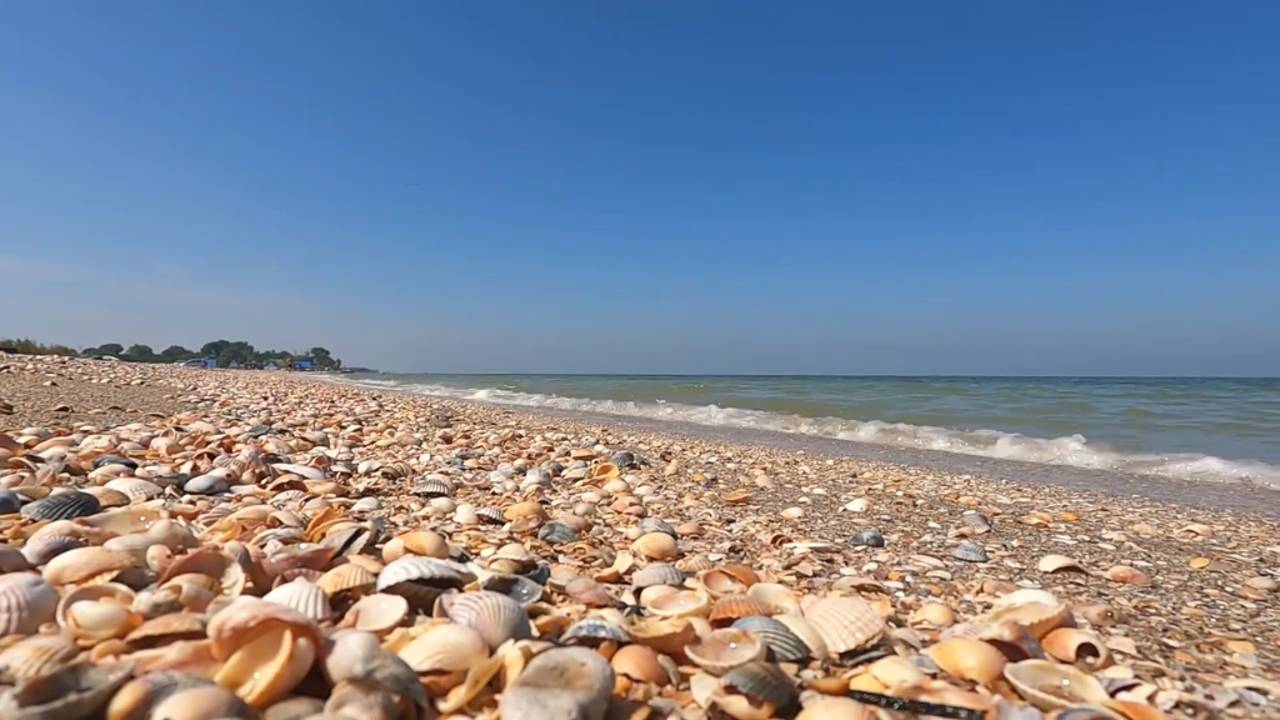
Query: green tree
(140, 353)
(238, 353)
(214, 348)
(112, 349)
(322, 358)
(175, 353)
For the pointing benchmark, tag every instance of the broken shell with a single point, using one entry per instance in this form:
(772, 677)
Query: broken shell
(805, 630)
(305, 597)
(1099, 615)
(767, 687)
(668, 636)
(778, 596)
(167, 628)
(1050, 686)
(269, 665)
(656, 546)
(1078, 647)
(732, 607)
(377, 613)
(968, 659)
(445, 648)
(783, 645)
(895, 671)
(721, 650)
(26, 603)
(560, 683)
(1038, 610)
(496, 617)
(639, 663)
(682, 603)
(1057, 563)
(845, 623)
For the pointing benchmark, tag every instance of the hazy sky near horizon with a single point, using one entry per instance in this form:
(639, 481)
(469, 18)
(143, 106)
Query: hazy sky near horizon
(918, 187)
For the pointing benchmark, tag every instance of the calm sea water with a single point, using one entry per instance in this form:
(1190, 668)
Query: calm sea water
(1198, 428)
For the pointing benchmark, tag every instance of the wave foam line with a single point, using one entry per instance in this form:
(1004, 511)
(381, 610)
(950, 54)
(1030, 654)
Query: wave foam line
(1074, 450)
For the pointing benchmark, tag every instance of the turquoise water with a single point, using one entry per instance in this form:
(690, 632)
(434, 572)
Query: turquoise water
(1200, 428)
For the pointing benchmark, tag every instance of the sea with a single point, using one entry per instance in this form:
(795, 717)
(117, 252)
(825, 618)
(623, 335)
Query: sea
(1210, 429)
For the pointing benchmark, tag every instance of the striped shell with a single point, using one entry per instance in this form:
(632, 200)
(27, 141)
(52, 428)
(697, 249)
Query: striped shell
(657, 574)
(784, 645)
(720, 651)
(495, 616)
(167, 628)
(763, 681)
(75, 691)
(490, 515)
(348, 576)
(591, 631)
(432, 487)
(517, 587)
(136, 489)
(445, 648)
(43, 548)
(108, 498)
(37, 655)
(731, 607)
(306, 597)
(845, 623)
(62, 506)
(425, 570)
(26, 603)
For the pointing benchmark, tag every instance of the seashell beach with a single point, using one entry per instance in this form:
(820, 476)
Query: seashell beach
(189, 544)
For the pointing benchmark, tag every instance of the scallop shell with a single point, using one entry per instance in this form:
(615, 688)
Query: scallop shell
(657, 574)
(425, 543)
(718, 583)
(40, 549)
(560, 683)
(783, 645)
(593, 631)
(492, 516)
(1079, 647)
(1038, 610)
(557, 533)
(495, 616)
(422, 570)
(669, 636)
(74, 691)
(136, 489)
(37, 655)
(1050, 686)
(242, 620)
(732, 607)
(432, 487)
(845, 623)
(26, 603)
(377, 613)
(968, 659)
(306, 597)
(445, 648)
(721, 650)
(348, 576)
(656, 546)
(62, 506)
(681, 603)
(805, 630)
(764, 682)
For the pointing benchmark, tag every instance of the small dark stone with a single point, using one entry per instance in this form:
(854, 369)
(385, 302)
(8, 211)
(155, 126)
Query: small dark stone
(623, 458)
(867, 538)
(970, 552)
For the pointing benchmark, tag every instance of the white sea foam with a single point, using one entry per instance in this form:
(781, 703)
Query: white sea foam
(1073, 450)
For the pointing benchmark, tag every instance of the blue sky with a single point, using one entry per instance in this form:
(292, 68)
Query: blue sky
(935, 187)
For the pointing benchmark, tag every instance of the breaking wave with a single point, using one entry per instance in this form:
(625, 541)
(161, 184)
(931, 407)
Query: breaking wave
(1074, 450)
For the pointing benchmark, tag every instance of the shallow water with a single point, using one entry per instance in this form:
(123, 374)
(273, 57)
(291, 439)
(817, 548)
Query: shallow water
(1219, 429)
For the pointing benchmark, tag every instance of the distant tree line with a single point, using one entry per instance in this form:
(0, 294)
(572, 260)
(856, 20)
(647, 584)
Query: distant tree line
(227, 353)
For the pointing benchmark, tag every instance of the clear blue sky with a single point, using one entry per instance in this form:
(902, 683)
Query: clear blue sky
(936, 187)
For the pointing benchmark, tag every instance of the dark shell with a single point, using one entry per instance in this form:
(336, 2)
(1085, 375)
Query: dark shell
(970, 552)
(649, 525)
(591, 631)
(9, 501)
(763, 681)
(557, 533)
(657, 574)
(517, 587)
(63, 506)
(976, 521)
(623, 458)
(867, 538)
(102, 460)
(75, 691)
(784, 645)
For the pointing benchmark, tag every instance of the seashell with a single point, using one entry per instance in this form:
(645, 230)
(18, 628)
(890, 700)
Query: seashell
(496, 617)
(593, 631)
(895, 671)
(826, 707)
(42, 548)
(74, 691)
(1057, 563)
(560, 683)
(12, 560)
(491, 516)
(1079, 647)
(10, 501)
(589, 592)
(203, 702)
(228, 576)
(168, 628)
(445, 648)
(656, 546)
(86, 565)
(765, 684)
(933, 614)
(668, 636)
(62, 506)
(1013, 640)
(306, 597)
(682, 603)
(805, 630)
(778, 596)
(36, 655)
(729, 608)
(782, 644)
(640, 663)
(557, 533)
(1050, 686)
(294, 708)
(247, 618)
(26, 603)
(1038, 610)
(657, 574)
(421, 579)
(1119, 573)
(135, 488)
(138, 697)
(719, 582)
(1099, 615)
(377, 613)
(432, 487)
(845, 623)
(524, 509)
(268, 665)
(94, 613)
(967, 659)
(721, 650)
(108, 498)
(970, 552)
(867, 538)
(605, 471)
(356, 657)
(346, 577)
(360, 700)
(517, 587)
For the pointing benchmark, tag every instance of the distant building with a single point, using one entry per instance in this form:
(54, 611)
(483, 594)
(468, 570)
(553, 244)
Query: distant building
(304, 364)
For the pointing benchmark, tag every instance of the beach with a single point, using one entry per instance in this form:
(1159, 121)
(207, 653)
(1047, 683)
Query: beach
(1172, 580)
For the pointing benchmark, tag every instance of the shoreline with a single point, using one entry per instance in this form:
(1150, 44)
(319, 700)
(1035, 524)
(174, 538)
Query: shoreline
(1243, 497)
(1187, 576)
